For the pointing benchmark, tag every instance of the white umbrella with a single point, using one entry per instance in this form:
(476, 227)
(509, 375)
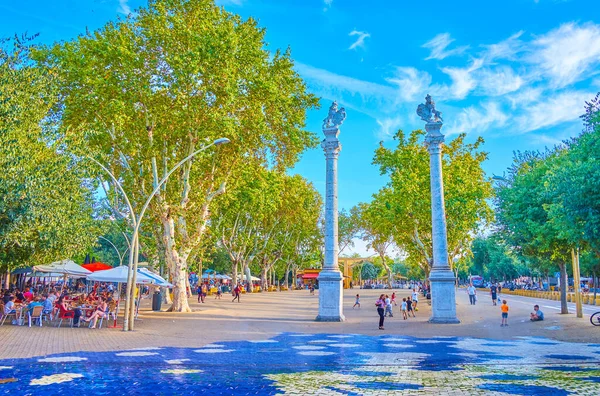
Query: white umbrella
(63, 267)
(156, 279)
(118, 275)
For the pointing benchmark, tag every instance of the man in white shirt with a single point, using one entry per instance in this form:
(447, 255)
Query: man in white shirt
(9, 307)
(415, 299)
(472, 292)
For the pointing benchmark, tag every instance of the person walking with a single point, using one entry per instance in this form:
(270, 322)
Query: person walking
(394, 298)
(199, 291)
(472, 292)
(403, 308)
(357, 302)
(204, 292)
(236, 293)
(409, 308)
(388, 307)
(380, 304)
(504, 309)
(219, 291)
(415, 299)
(493, 292)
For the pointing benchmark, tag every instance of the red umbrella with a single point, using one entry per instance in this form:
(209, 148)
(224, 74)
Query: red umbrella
(96, 267)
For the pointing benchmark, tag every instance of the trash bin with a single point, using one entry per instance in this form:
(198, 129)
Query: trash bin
(156, 300)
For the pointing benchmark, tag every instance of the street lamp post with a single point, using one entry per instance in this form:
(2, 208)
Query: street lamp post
(128, 323)
(135, 242)
(121, 256)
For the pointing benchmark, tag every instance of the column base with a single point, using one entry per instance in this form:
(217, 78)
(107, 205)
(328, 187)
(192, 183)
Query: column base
(331, 293)
(443, 297)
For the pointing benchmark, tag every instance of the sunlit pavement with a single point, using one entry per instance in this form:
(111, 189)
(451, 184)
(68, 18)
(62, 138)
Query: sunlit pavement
(298, 363)
(270, 344)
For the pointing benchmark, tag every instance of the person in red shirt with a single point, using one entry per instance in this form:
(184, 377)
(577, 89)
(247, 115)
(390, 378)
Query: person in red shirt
(28, 294)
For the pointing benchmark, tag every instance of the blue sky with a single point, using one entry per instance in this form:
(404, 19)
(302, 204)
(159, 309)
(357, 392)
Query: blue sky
(516, 72)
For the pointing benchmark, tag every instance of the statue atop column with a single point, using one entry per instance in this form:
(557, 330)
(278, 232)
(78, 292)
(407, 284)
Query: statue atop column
(335, 118)
(428, 113)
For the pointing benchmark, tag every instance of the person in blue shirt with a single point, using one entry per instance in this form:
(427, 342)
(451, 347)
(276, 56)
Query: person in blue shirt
(47, 304)
(536, 315)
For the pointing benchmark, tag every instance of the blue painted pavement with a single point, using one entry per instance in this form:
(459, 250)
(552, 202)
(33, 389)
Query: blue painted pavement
(325, 363)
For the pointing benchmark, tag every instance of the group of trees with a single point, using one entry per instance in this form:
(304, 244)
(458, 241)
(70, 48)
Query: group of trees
(399, 216)
(138, 96)
(548, 204)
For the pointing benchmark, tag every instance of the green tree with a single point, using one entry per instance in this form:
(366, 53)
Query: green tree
(348, 229)
(46, 210)
(378, 230)
(145, 92)
(527, 214)
(369, 271)
(407, 197)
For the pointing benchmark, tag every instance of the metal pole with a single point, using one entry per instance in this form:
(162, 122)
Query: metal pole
(133, 220)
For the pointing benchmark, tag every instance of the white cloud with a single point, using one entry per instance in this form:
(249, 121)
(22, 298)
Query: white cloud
(124, 7)
(463, 81)
(564, 55)
(506, 49)
(411, 83)
(439, 44)
(332, 85)
(327, 4)
(553, 110)
(360, 41)
(499, 81)
(388, 127)
(524, 97)
(477, 119)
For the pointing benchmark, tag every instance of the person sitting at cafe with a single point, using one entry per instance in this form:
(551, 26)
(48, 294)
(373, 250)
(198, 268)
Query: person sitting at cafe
(100, 312)
(52, 297)
(9, 307)
(77, 311)
(19, 296)
(536, 315)
(35, 303)
(6, 296)
(47, 304)
(28, 294)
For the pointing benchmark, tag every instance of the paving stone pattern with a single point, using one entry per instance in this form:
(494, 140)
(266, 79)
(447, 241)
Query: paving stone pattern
(324, 364)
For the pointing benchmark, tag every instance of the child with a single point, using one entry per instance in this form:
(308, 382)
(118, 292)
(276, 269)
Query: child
(357, 302)
(504, 308)
(388, 306)
(404, 308)
(409, 308)
(394, 298)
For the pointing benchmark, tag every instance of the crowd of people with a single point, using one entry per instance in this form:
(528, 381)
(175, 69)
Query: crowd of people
(385, 305)
(58, 303)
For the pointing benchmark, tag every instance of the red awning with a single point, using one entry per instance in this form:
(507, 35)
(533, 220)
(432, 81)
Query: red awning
(96, 267)
(310, 276)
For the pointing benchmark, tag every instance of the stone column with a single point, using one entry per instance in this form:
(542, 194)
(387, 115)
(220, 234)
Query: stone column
(331, 290)
(441, 278)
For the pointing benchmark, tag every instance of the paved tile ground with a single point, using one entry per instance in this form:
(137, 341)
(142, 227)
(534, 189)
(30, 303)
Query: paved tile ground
(270, 344)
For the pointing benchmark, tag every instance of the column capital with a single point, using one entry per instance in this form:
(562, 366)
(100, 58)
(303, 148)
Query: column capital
(332, 147)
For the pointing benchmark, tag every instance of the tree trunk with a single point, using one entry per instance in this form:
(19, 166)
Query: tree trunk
(248, 275)
(595, 280)
(287, 276)
(177, 265)
(234, 274)
(180, 280)
(564, 285)
(7, 280)
(264, 279)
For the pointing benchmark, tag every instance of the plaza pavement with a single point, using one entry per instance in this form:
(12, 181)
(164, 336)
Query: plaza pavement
(261, 316)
